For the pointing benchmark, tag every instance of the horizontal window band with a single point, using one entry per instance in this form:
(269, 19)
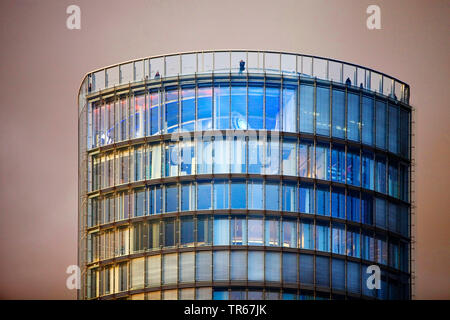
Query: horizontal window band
(263, 214)
(209, 135)
(238, 177)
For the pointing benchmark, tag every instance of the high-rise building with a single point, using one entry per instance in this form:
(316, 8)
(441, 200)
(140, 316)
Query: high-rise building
(243, 175)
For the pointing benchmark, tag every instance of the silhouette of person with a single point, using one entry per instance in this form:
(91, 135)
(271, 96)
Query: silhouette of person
(241, 66)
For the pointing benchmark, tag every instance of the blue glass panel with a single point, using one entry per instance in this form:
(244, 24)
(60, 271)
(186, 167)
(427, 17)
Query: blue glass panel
(255, 232)
(221, 265)
(381, 252)
(306, 234)
(158, 200)
(171, 115)
(380, 174)
(204, 108)
(255, 266)
(237, 294)
(380, 212)
(289, 267)
(289, 236)
(368, 246)
(171, 198)
(366, 209)
(238, 147)
(367, 120)
(393, 254)
(187, 156)
(338, 203)
(353, 166)
(353, 277)
(204, 196)
(380, 129)
(322, 271)
(238, 107)
(138, 163)
(338, 274)
(188, 109)
(221, 231)
(367, 170)
(323, 201)
(338, 116)
(238, 230)
(404, 133)
(338, 238)
(323, 111)
(153, 102)
(187, 230)
(222, 107)
(404, 182)
(404, 220)
(338, 163)
(238, 195)
(255, 107)
(139, 116)
(139, 207)
(290, 109)
(323, 236)
(306, 269)
(272, 266)
(204, 155)
(306, 198)
(353, 119)
(255, 155)
(272, 196)
(238, 265)
(171, 160)
(272, 156)
(393, 178)
(353, 242)
(272, 108)
(289, 197)
(221, 191)
(288, 296)
(393, 217)
(306, 108)
(255, 195)
(204, 230)
(306, 159)
(169, 233)
(393, 129)
(272, 233)
(289, 157)
(323, 161)
(221, 154)
(151, 200)
(353, 212)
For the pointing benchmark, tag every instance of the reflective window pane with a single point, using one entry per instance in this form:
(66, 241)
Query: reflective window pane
(255, 107)
(272, 108)
(289, 109)
(323, 111)
(221, 231)
(338, 116)
(306, 108)
(239, 107)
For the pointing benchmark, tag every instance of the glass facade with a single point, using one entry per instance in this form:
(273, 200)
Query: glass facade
(279, 174)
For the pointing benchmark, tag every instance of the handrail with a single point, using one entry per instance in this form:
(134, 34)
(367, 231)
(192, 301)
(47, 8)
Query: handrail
(276, 62)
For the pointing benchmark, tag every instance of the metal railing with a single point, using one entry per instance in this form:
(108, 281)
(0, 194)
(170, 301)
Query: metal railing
(244, 61)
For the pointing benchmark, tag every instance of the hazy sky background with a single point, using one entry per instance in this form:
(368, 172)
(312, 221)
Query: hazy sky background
(43, 63)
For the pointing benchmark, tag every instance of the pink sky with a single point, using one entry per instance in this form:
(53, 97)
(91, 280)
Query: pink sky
(42, 65)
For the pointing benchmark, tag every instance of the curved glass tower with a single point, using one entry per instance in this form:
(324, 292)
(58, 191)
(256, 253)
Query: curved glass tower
(243, 175)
